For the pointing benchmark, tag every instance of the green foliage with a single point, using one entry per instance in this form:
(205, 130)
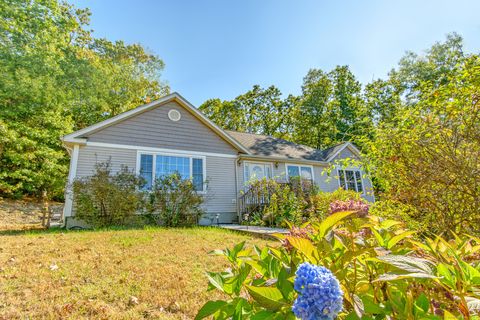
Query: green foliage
(55, 77)
(331, 109)
(296, 202)
(427, 157)
(175, 202)
(318, 207)
(106, 199)
(382, 270)
(283, 207)
(257, 111)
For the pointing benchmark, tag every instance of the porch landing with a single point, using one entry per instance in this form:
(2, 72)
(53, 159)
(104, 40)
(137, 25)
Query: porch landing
(254, 230)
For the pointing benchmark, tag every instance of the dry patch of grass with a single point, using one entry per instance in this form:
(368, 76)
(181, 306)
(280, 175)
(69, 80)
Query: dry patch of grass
(124, 274)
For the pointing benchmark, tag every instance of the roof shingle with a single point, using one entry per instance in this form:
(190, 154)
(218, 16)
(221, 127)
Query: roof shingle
(268, 146)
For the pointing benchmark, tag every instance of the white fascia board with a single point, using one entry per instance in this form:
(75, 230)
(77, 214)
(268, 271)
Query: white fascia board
(346, 145)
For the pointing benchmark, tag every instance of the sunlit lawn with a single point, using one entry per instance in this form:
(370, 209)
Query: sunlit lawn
(124, 274)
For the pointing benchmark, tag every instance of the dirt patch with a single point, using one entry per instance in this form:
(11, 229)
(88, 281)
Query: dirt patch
(23, 214)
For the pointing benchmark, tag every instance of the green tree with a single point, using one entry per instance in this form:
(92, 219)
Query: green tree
(259, 110)
(332, 109)
(428, 156)
(54, 78)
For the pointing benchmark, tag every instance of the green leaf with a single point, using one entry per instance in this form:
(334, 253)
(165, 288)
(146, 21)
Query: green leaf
(331, 221)
(263, 315)
(472, 273)
(285, 286)
(447, 276)
(209, 308)
(379, 237)
(305, 247)
(258, 266)
(392, 242)
(387, 224)
(268, 297)
(242, 308)
(217, 281)
(422, 303)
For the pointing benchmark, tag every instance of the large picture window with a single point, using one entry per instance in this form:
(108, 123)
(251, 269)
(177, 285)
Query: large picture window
(305, 172)
(154, 166)
(350, 180)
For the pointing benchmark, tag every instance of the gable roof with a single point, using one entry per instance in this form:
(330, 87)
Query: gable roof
(268, 146)
(80, 135)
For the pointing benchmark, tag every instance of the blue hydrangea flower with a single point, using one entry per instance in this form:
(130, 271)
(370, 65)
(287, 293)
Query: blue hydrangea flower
(319, 293)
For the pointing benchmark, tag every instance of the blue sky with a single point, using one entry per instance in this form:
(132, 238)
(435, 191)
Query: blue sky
(220, 49)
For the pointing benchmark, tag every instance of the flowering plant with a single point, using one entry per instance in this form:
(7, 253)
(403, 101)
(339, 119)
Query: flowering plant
(320, 296)
(336, 268)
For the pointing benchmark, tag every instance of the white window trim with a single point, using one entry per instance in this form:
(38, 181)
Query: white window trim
(299, 170)
(191, 157)
(256, 162)
(354, 176)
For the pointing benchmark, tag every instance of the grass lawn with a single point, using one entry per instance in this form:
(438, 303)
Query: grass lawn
(101, 274)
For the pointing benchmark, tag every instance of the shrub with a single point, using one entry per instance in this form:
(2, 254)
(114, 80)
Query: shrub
(319, 204)
(391, 209)
(297, 202)
(106, 199)
(283, 206)
(382, 271)
(174, 202)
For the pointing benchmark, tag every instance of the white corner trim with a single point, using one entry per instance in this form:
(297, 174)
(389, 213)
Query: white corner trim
(159, 150)
(346, 145)
(72, 173)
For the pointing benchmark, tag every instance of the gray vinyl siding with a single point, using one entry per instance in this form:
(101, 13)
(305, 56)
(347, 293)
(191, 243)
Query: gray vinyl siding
(346, 153)
(154, 129)
(221, 191)
(89, 156)
(220, 174)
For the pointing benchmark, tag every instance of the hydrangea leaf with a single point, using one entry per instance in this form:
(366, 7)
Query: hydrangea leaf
(408, 263)
(268, 297)
(305, 247)
(209, 309)
(399, 237)
(393, 276)
(330, 221)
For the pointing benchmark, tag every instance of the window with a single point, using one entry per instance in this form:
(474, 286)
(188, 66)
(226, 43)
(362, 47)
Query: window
(257, 171)
(154, 166)
(305, 172)
(350, 180)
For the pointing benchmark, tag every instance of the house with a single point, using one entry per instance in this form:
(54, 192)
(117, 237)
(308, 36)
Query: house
(170, 135)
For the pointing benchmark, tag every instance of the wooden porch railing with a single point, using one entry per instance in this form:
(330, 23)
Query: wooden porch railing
(258, 195)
